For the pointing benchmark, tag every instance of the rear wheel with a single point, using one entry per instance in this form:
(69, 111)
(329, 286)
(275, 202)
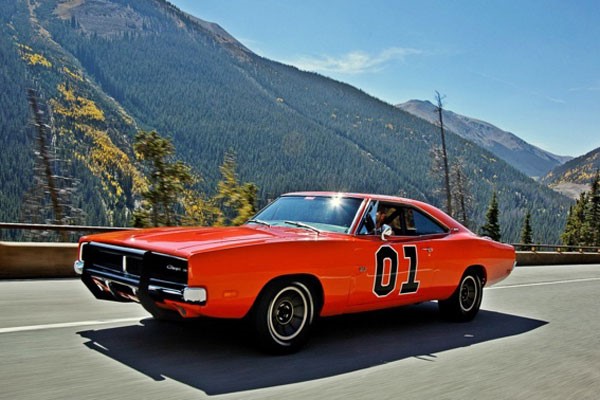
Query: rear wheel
(464, 303)
(283, 317)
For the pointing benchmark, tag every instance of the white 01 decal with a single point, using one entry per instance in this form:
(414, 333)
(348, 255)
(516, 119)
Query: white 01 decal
(411, 285)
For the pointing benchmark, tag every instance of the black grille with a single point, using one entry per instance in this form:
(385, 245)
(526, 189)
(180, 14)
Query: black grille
(129, 263)
(167, 268)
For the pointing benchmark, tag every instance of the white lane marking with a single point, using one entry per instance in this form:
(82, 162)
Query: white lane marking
(67, 325)
(545, 283)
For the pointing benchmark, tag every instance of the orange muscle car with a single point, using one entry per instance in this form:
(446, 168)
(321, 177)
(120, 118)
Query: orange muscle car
(305, 255)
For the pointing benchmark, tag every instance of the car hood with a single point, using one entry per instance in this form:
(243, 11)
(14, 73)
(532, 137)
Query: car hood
(187, 241)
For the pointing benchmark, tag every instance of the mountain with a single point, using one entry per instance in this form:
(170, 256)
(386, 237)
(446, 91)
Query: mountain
(574, 176)
(105, 68)
(527, 158)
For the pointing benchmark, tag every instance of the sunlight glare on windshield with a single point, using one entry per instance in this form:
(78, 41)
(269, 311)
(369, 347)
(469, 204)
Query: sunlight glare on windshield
(335, 201)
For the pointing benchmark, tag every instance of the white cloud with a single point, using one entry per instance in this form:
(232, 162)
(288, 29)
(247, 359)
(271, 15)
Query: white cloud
(594, 87)
(355, 62)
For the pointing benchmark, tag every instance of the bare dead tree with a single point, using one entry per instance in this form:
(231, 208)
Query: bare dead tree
(49, 200)
(43, 149)
(460, 185)
(439, 108)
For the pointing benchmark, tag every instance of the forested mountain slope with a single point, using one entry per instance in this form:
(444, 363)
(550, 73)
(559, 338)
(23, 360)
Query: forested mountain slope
(576, 175)
(143, 63)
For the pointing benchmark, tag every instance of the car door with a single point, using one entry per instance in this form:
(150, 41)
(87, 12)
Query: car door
(399, 268)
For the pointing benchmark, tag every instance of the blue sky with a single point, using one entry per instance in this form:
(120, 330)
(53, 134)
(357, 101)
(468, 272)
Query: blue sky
(528, 67)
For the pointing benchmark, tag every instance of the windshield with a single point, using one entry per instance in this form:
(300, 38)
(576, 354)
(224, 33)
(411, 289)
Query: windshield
(323, 213)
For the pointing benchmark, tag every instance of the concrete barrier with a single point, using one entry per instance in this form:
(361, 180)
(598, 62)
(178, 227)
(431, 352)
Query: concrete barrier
(37, 260)
(556, 258)
(55, 260)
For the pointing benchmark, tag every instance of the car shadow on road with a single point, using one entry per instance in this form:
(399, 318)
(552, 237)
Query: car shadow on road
(218, 357)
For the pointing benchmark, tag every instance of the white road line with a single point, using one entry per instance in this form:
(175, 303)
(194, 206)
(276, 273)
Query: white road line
(544, 283)
(66, 325)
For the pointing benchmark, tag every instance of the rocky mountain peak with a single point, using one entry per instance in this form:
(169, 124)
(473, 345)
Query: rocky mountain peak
(526, 157)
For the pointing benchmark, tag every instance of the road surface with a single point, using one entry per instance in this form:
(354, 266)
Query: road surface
(537, 337)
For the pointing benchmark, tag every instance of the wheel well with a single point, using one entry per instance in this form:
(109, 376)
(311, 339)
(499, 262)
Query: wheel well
(480, 271)
(311, 281)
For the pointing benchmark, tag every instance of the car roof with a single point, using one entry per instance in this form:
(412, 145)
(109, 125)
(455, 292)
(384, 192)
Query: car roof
(380, 197)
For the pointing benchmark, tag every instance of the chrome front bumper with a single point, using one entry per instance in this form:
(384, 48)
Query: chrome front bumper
(125, 274)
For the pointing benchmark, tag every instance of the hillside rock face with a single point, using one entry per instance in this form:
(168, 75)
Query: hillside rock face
(527, 158)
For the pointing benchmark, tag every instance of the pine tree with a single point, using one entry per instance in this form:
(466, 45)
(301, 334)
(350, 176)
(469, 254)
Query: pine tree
(591, 223)
(167, 181)
(492, 226)
(572, 236)
(583, 221)
(527, 232)
(236, 202)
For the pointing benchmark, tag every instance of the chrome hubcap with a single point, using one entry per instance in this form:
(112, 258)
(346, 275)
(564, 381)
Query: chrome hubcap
(468, 293)
(288, 314)
(285, 312)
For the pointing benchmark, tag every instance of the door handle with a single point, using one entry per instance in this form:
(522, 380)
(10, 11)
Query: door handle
(427, 249)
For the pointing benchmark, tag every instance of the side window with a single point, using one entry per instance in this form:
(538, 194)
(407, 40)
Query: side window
(416, 223)
(378, 216)
(404, 221)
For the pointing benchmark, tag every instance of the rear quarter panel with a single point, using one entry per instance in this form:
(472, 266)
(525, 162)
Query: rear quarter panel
(461, 251)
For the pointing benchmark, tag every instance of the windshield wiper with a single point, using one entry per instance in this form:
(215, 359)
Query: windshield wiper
(303, 225)
(260, 222)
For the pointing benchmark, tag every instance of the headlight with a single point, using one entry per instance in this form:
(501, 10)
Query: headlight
(78, 267)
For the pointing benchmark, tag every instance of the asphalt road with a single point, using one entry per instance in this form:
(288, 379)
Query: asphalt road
(537, 337)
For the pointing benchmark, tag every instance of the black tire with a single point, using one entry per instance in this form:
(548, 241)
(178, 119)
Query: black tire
(464, 303)
(283, 316)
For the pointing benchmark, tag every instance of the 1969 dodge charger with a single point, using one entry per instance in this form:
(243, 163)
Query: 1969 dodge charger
(305, 255)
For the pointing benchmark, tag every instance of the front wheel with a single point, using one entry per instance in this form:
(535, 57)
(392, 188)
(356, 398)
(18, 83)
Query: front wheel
(283, 317)
(464, 303)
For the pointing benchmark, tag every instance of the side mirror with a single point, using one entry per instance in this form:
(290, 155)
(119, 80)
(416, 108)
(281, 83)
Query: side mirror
(386, 231)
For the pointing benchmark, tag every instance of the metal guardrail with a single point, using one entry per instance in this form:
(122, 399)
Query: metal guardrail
(83, 228)
(558, 248)
(21, 260)
(63, 228)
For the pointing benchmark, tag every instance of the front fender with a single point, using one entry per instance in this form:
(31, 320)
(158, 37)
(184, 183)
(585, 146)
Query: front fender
(235, 277)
